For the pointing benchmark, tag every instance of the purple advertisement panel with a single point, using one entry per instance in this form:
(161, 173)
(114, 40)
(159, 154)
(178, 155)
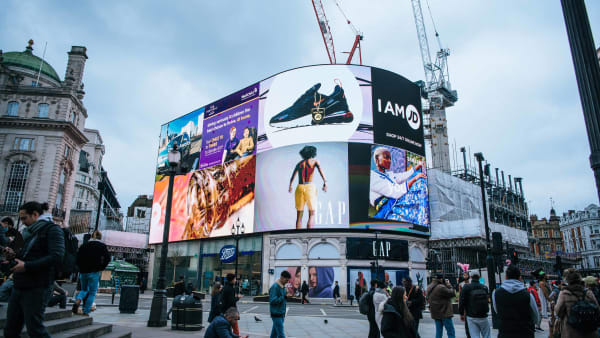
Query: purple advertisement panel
(230, 134)
(235, 99)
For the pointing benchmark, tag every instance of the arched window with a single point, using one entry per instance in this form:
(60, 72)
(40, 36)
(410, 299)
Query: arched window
(43, 110)
(15, 188)
(13, 108)
(323, 251)
(289, 251)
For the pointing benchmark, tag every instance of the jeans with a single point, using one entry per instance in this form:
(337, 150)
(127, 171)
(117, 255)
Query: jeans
(439, 328)
(277, 330)
(89, 287)
(479, 327)
(61, 300)
(27, 307)
(373, 328)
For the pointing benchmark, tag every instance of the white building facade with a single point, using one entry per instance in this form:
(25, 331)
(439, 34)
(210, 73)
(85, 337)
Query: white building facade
(581, 234)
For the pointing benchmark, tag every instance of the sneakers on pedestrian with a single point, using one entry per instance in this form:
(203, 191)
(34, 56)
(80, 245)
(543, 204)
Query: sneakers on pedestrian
(75, 308)
(297, 113)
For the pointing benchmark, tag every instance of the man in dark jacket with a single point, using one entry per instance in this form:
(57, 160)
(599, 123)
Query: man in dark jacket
(336, 293)
(92, 257)
(220, 327)
(278, 304)
(440, 294)
(229, 298)
(473, 307)
(414, 300)
(373, 327)
(516, 307)
(34, 269)
(304, 291)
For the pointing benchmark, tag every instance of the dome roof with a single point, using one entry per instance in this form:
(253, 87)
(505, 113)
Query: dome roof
(26, 59)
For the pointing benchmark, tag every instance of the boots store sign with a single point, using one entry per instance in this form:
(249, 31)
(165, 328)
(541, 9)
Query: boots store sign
(227, 254)
(369, 248)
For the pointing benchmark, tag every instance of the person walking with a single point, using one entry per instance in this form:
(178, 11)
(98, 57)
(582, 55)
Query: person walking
(336, 293)
(473, 307)
(440, 294)
(92, 257)
(229, 298)
(397, 321)
(277, 304)
(304, 291)
(516, 309)
(414, 300)
(544, 294)
(373, 328)
(34, 271)
(572, 293)
(215, 299)
(221, 326)
(380, 296)
(533, 290)
(465, 280)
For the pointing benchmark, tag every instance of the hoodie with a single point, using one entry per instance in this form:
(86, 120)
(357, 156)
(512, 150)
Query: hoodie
(325, 278)
(513, 286)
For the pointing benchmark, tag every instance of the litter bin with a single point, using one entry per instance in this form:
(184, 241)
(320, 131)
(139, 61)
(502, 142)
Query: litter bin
(128, 302)
(187, 313)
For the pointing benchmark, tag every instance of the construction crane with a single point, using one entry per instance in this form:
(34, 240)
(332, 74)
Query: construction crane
(328, 37)
(436, 90)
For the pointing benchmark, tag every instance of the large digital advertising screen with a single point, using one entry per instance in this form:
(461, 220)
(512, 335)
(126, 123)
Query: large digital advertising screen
(317, 147)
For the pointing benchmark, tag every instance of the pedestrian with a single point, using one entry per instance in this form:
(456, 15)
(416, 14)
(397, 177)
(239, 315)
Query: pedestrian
(516, 309)
(473, 307)
(92, 257)
(572, 293)
(380, 296)
(557, 286)
(592, 284)
(368, 298)
(304, 291)
(336, 293)
(397, 321)
(59, 296)
(277, 304)
(533, 290)
(34, 271)
(465, 280)
(357, 291)
(544, 294)
(5, 224)
(229, 298)
(143, 284)
(215, 299)
(414, 300)
(221, 325)
(179, 286)
(439, 295)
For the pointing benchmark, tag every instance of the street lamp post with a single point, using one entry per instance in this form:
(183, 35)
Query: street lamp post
(158, 310)
(101, 189)
(237, 229)
(377, 255)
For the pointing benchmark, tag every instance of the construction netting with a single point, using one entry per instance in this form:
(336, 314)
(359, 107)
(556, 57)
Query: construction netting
(456, 210)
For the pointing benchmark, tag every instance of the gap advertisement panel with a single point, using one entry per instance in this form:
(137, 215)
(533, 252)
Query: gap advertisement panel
(329, 146)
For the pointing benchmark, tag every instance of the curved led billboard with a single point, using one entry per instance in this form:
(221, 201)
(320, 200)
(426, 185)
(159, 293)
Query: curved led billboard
(328, 146)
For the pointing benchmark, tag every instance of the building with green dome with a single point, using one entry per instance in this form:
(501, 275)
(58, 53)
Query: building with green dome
(42, 131)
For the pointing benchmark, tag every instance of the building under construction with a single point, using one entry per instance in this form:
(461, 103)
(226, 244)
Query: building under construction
(457, 224)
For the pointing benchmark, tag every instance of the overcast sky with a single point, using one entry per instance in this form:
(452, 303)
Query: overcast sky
(152, 61)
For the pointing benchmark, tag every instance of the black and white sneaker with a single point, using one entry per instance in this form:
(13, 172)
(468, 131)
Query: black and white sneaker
(299, 113)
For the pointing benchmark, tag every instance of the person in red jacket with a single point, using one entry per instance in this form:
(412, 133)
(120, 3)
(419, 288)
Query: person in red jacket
(533, 290)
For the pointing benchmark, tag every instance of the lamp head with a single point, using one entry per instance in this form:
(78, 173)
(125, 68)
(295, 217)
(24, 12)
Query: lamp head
(479, 157)
(242, 229)
(233, 230)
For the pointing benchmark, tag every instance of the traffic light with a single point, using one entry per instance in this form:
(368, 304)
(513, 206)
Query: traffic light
(497, 243)
(514, 256)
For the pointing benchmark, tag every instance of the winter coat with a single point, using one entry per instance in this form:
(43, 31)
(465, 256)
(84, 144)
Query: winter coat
(214, 306)
(336, 291)
(379, 297)
(219, 328)
(519, 322)
(41, 253)
(277, 300)
(415, 302)
(228, 298)
(440, 300)
(534, 292)
(392, 323)
(569, 295)
(304, 289)
(92, 256)
(464, 299)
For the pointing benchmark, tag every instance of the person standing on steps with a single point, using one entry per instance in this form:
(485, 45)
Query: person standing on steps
(278, 304)
(92, 257)
(33, 271)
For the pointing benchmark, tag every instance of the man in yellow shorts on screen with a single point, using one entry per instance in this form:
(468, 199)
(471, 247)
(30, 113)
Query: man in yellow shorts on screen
(306, 192)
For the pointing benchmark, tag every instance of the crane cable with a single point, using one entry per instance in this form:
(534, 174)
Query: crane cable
(356, 32)
(437, 35)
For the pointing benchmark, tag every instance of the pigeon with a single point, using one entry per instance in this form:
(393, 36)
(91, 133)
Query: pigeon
(257, 319)
(325, 321)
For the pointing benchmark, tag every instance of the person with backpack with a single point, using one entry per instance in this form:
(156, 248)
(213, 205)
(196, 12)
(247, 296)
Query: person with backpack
(366, 307)
(533, 290)
(473, 307)
(92, 257)
(440, 294)
(215, 300)
(414, 300)
(380, 296)
(33, 271)
(577, 309)
(516, 309)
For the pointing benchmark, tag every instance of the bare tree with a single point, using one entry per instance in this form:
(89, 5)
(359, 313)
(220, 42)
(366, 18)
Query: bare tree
(175, 259)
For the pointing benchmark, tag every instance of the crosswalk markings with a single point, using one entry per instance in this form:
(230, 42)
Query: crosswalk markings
(250, 309)
(323, 312)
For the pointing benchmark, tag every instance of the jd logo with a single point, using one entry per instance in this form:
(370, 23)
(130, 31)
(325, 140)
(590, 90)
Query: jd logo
(410, 113)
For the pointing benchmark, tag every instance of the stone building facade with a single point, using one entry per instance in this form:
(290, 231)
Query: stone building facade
(581, 233)
(547, 237)
(42, 121)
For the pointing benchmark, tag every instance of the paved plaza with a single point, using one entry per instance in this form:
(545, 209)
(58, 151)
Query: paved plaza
(313, 320)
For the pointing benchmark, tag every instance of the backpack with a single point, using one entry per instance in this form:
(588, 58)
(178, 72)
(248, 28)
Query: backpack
(365, 303)
(584, 316)
(68, 264)
(478, 302)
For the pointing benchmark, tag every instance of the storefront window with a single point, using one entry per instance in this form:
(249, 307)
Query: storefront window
(182, 260)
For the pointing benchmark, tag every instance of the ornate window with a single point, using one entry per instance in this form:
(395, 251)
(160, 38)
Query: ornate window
(13, 108)
(289, 251)
(15, 187)
(43, 110)
(324, 251)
